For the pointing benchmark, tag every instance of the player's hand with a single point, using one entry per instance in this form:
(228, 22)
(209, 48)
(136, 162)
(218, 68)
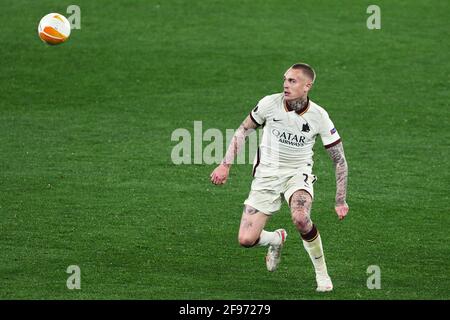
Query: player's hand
(341, 210)
(220, 174)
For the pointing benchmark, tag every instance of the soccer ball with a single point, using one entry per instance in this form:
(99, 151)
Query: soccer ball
(54, 29)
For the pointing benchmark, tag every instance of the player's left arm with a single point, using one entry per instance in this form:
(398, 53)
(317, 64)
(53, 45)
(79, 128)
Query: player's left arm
(337, 154)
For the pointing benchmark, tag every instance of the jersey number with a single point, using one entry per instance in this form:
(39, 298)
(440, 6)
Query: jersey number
(306, 179)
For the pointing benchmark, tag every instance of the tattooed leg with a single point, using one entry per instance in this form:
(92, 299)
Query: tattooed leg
(252, 224)
(300, 204)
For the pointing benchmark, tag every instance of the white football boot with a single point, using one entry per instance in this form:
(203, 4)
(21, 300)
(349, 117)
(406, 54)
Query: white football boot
(324, 283)
(274, 253)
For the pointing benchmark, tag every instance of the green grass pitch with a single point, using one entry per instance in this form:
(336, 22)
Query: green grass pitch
(86, 176)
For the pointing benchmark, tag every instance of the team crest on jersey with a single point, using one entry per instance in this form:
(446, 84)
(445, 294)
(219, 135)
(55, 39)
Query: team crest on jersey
(305, 128)
(333, 131)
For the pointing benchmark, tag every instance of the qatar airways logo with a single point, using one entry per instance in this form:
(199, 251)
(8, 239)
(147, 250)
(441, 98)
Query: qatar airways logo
(289, 138)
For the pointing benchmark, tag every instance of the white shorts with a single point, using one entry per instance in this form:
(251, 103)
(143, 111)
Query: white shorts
(266, 192)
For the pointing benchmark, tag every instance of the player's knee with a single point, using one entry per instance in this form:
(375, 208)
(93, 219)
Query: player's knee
(300, 200)
(247, 241)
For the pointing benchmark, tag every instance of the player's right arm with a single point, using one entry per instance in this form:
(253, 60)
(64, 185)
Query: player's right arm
(221, 172)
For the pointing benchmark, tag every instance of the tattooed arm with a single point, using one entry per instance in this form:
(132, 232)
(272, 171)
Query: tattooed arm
(238, 140)
(220, 174)
(340, 163)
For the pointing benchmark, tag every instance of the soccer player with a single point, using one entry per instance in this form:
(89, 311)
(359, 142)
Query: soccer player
(283, 168)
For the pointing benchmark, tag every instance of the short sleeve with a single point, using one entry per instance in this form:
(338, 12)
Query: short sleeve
(259, 112)
(328, 132)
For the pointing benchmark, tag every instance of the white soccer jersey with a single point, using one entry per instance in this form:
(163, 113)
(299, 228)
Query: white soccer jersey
(288, 137)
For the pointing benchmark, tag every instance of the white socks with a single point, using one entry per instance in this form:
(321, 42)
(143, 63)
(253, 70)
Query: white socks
(269, 238)
(315, 251)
